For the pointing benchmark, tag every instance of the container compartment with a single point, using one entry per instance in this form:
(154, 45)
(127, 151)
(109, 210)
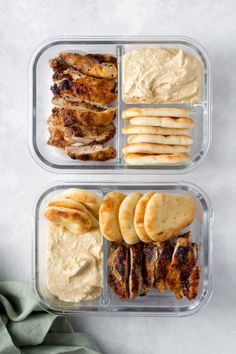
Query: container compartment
(155, 303)
(55, 160)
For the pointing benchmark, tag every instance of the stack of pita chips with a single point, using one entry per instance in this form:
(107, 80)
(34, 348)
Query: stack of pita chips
(157, 135)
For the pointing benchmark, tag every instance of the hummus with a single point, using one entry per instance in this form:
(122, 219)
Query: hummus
(74, 264)
(161, 75)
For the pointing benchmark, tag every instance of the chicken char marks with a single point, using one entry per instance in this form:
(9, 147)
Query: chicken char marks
(165, 251)
(150, 257)
(135, 277)
(118, 277)
(137, 269)
(183, 276)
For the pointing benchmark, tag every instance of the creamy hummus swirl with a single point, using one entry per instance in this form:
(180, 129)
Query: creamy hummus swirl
(161, 75)
(73, 265)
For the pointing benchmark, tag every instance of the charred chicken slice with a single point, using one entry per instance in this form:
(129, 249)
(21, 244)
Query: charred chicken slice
(67, 117)
(83, 92)
(150, 255)
(96, 152)
(165, 252)
(80, 135)
(57, 138)
(78, 79)
(135, 277)
(183, 274)
(97, 65)
(61, 102)
(118, 277)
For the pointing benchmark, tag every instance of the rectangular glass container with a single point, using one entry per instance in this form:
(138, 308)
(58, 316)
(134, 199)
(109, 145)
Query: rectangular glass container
(154, 303)
(55, 160)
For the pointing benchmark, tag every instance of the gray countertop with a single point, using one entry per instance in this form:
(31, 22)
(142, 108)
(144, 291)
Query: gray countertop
(23, 25)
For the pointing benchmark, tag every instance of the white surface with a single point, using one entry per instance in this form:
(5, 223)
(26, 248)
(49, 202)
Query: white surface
(24, 24)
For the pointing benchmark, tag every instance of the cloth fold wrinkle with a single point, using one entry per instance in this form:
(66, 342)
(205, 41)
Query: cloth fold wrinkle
(26, 328)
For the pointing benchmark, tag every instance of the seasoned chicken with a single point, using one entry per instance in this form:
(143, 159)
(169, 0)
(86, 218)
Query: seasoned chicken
(96, 152)
(135, 277)
(80, 135)
(165, 252)
(150, 256)
(67, 117)
(97, 65)
(103, 58)
(76, 135)
(77, 79)
(118, 277)
(183, 274)
(57, 138)
(61, 102)
(83, 92)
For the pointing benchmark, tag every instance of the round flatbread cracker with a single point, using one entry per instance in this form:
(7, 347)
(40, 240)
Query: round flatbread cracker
(160, 139)
(147, 159)
(167, 214)
(89, 199)
(165, 122)
(148, 129)
(126, 217)
(149, 148)
(139, 217)
(108, 216)
(154, 112)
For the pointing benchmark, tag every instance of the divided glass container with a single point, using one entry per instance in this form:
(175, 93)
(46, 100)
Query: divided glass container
(154, 303)
(55, 160)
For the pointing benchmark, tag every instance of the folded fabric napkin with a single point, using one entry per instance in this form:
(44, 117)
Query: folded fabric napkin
(26, 328)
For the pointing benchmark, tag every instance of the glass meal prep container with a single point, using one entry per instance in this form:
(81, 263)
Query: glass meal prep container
(55, 160)
(154, 303)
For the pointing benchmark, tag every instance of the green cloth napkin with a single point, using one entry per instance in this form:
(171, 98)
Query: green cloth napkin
(26, 328)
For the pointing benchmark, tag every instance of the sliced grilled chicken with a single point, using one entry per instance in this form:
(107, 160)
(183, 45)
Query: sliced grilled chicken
(57, 138)
(150, 256)
(82, 91)
(193, 283)
(118, 277)
(67, 117)
(165, 252)
(183, 274)
(96, 65)
(61, 102)
(79, 80)
(135, 277)
(95, 152)
(78, 135)
(103, 58)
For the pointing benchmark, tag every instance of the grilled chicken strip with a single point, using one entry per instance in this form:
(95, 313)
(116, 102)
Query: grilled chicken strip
(57, 138)
(150, 256)
(183, 275)
(118, 277)
(67, 117)
(95, 152)
(81, 135)
(78, 80)
(135, 277)
(61, 102)
(83, 92)
(165, 252)
(97, 65)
